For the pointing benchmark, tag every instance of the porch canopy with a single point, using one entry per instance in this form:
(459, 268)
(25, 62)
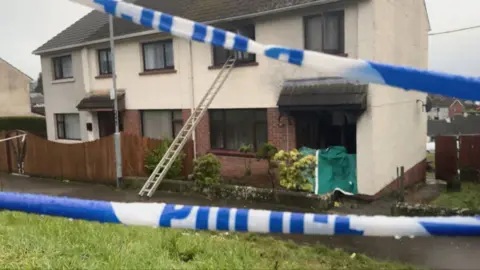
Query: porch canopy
(326, 93)
(101, 101)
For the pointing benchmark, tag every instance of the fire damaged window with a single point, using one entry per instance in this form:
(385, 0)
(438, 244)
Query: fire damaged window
(220, 54)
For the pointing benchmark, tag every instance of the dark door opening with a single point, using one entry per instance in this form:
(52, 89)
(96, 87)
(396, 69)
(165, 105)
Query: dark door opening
(323, 129)
(106, 123)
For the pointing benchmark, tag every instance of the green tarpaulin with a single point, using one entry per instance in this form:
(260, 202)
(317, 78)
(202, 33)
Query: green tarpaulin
(336, 170)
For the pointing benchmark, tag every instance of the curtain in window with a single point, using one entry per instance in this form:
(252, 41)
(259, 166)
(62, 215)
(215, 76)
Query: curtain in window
(105, 62)
(58, 69)
(239, 129)
(67, 67)
(217, 130)
(314, 33)
(331, 37)
(154, 58)
(72, 126)
(157, 124)
(169, 54)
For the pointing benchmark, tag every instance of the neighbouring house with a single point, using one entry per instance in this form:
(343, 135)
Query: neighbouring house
(160, 79)
(446, 107)
(14, 91)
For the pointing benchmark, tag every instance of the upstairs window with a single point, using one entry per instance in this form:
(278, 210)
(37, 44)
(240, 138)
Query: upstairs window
(104, 62)
(158, 55)
(325, 32)
(62, 67)
(220, 54)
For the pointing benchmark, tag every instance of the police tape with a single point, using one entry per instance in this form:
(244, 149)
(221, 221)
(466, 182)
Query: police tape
(407, 78)
(237, 219)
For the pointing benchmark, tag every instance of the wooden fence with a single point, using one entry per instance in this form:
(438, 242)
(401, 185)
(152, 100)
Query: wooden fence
(446, 164)
(89, 161)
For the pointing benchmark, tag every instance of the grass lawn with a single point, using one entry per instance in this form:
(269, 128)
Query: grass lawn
(469, 197)
(31, 241)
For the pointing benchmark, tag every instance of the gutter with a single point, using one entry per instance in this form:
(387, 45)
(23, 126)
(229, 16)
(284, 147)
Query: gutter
(149, 32)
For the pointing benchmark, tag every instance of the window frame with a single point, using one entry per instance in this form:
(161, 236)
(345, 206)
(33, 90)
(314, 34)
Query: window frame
(341, 29)
(109, 61)
(58, 60)
(251, 58)
(162, 43)
(173, 120)
(254, 126)
(63, 123)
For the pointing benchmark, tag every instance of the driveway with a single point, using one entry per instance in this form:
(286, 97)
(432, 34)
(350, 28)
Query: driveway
(433, 253)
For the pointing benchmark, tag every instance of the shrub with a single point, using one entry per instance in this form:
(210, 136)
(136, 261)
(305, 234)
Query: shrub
(206, 170)
(294, 170)
(266, 152)
(35, 125)
(246, 149)
(153, 157)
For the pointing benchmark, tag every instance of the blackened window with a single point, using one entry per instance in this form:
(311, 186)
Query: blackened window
(220, 54)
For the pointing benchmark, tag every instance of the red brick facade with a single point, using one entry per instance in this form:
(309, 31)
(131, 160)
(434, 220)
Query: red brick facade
(132, 122)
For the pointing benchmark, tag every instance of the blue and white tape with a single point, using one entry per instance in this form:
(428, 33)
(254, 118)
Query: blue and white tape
(354, 69)
(239, 220)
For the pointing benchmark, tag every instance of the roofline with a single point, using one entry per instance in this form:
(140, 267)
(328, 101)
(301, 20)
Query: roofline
(31, 79)
(149, 32)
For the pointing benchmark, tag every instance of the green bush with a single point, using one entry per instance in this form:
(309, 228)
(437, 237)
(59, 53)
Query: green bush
(35, 125)
(153, 157)
(294, 170)
(206, 170)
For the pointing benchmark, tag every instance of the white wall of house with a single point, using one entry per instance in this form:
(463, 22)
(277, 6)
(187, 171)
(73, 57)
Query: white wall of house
(63, 95)
(392, 132)
(14, 91)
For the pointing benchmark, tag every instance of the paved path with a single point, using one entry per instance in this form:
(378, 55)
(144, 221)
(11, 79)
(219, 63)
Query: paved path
(434, 253)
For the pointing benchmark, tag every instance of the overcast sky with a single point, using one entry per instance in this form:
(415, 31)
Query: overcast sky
(27, 24)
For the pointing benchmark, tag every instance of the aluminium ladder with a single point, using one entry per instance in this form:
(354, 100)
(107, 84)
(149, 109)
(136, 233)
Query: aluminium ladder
(176, 147)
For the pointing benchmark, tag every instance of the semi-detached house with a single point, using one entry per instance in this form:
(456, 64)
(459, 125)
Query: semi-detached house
(160, 79)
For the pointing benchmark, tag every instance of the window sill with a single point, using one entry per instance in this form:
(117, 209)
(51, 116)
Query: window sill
(69, 80)
(156, 72)
(249, 64)
(230, 153)
(68, 141)
(104, 76)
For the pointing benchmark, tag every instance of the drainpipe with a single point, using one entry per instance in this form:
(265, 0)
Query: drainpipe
(192, 99)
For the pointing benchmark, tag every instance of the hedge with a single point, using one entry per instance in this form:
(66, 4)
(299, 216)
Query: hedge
(35, 125)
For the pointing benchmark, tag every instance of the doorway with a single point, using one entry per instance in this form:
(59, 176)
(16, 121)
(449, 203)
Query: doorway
(323, 129)
(106, 123)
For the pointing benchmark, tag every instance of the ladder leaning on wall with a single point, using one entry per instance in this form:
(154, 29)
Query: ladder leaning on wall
(181, 139)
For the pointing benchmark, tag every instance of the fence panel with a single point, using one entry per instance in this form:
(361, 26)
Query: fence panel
(88, 161)
(470, 152)
(100, 161)
(445, 158)
(3, 153)
(43, 157)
